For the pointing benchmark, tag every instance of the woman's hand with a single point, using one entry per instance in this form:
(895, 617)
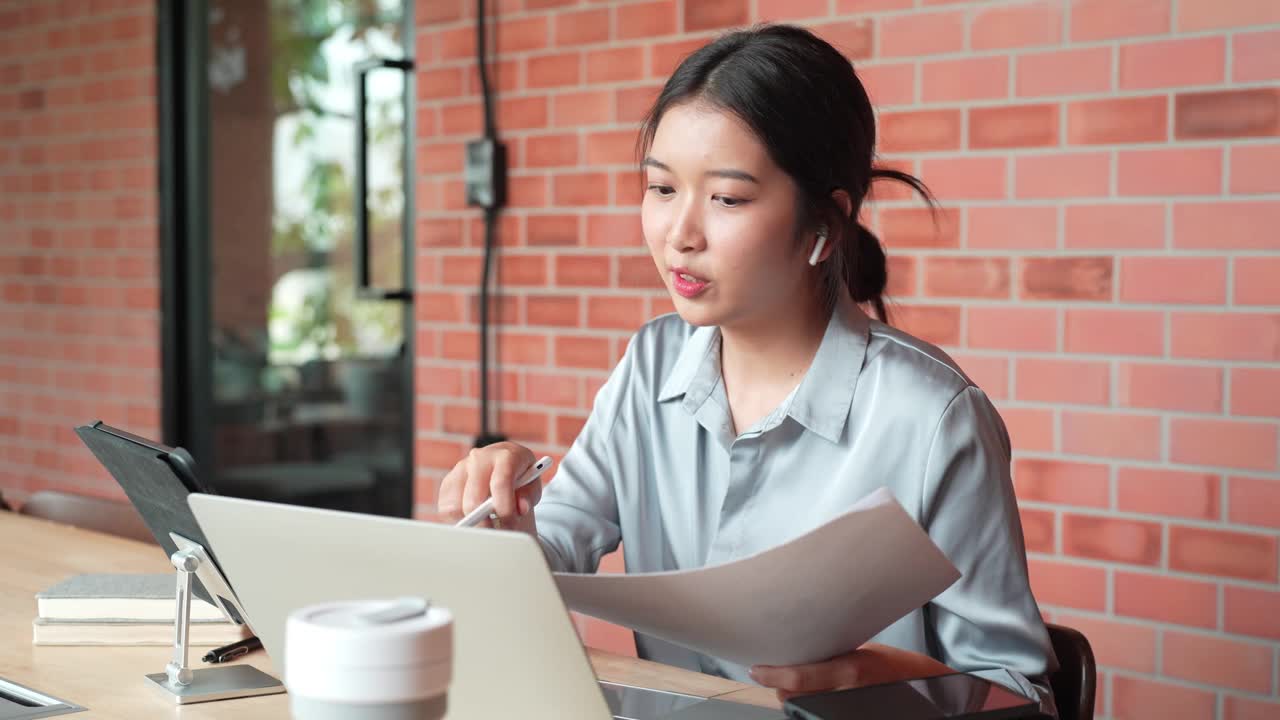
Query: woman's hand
(491, 471)
(870, 664)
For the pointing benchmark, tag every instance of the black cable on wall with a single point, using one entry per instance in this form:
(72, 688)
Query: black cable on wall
(491, 211)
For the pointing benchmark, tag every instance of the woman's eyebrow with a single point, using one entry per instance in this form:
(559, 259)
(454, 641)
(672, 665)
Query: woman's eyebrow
(650, 161)
(724, 173)
(734, 175)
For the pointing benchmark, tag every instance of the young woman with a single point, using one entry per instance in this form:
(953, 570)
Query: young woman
(770, 401)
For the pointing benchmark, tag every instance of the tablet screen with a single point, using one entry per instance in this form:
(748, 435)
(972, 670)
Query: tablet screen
(958, 695)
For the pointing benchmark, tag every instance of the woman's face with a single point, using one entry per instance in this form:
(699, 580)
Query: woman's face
(720, 220)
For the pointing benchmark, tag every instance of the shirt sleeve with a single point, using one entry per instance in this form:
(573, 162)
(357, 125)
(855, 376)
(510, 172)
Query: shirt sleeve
(578, 514)
(988, 620)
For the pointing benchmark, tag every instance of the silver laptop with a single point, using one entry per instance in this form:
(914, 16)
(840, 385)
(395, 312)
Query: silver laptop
(516, 653)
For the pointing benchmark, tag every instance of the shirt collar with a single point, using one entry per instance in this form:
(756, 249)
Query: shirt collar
(697, 369)
(821, 402)
(825, 394)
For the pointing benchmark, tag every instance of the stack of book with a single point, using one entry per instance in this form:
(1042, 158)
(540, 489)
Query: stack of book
(124, 610)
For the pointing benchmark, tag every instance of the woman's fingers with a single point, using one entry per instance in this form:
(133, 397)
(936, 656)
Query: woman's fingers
(844, 671)
(449, 504)
(502, 481)
(528, 496)
(476, 489)
(489, 472)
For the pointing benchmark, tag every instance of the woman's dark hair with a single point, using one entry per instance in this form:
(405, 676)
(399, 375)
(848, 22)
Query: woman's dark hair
(803, 100)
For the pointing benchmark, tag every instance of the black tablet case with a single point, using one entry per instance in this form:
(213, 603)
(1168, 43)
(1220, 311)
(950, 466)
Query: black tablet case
(156, 485)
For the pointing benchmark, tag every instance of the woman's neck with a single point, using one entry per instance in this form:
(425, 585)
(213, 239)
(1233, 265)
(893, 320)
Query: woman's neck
(773, 353)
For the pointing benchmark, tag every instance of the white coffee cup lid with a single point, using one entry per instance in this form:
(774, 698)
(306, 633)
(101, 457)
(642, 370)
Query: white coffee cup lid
(404, 646)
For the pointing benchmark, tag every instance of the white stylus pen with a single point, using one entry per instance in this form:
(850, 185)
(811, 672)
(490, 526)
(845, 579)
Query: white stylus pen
(483, 509)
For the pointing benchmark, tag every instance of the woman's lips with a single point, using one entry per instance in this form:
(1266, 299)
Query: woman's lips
(687, 284)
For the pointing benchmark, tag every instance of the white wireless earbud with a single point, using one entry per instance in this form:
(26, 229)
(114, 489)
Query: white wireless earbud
(817, 249)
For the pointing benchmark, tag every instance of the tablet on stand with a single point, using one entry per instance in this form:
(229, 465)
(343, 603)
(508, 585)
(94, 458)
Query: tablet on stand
(157, 479)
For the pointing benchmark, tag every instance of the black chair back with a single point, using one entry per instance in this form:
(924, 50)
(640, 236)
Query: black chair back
(91, 513)
(1075, 684)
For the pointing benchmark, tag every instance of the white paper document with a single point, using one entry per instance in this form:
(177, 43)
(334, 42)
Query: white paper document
(822, 594)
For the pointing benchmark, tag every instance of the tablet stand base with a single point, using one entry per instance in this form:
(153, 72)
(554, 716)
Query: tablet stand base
(180, 682)
(217, 683)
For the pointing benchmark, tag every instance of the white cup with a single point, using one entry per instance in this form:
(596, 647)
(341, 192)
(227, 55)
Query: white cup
(388, 659)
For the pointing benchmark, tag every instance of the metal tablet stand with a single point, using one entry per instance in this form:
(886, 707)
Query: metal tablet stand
(182, 683)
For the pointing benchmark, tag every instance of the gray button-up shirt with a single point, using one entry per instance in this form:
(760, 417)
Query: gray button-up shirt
(657, 465)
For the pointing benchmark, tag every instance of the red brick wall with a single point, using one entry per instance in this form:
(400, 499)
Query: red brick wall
(79, 283)
(1108, 270)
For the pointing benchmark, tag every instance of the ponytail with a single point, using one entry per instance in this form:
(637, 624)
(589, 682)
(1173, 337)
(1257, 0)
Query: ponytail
(866, 270)
(865, 267)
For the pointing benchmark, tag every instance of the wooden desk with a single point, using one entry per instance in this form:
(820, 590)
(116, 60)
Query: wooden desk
(35, 554)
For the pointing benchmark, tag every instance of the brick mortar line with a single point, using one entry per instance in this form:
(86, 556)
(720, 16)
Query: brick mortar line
(466, 21)
(109, 15)
(1228, 66)
(1226, 391)
(947, 254)
(547, 288)
(1222, 607)
(1137, 411)
(83, 80)
(1014, 354)
(1165, 521)
(119, 372)
(62, 391)
(95, 253)
(973, 253)
(577, 333)
(1218, 691)
(982, 103)
(1009, 303)
(71, 283)
(1057, 533)
(1275, 672)
(442, 434)
(125, 372)
(1166, 433)
(91, 311)
(1230, 287)
(1113, 487)
(1013, 154)
(51, 139)
(430, 361)
(1165, 542)
(1100, 358)
(83, 51)
(616, 333)
(124, 400)
(881, 205)
(1139, 464)
(917, 60)
(1019, 303)
(524, 407)
(1135, 463)
(27, 170)
(1141, 411)
(1109, 587)
(816, 22)
(128, 223)
(1079, 561)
